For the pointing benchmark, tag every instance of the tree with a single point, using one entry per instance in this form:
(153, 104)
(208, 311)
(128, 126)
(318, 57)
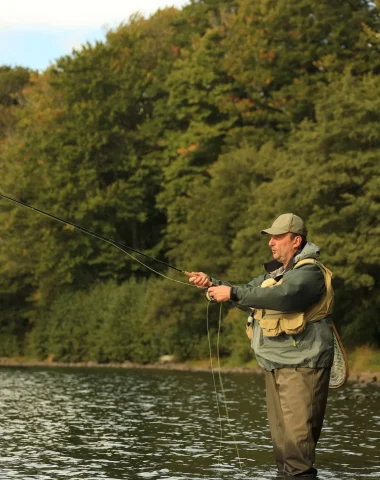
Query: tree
(88, 147)
(197, 120)
(286, 49)
(329, 176)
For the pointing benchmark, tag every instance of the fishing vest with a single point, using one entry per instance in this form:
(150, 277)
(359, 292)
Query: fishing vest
(274, 323)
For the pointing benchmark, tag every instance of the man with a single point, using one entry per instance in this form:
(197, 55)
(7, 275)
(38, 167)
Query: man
(292, 338)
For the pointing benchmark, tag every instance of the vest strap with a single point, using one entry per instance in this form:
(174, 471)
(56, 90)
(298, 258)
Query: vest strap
(274, 323)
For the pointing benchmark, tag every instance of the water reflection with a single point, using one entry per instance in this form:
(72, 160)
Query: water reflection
(136, 424)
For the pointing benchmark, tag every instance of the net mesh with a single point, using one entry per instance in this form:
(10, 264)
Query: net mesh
(339, 370)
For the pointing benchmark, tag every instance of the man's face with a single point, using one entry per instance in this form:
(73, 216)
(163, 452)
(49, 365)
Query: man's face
(284, 246)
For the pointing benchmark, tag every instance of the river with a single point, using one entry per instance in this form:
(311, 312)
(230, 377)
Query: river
(101, 423)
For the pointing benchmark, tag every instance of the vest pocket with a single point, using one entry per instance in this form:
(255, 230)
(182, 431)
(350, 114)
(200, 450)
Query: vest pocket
(292, 323)
(270, 326)
(289, 323)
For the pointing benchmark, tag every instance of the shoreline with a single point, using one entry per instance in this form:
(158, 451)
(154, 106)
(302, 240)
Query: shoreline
(361, 378)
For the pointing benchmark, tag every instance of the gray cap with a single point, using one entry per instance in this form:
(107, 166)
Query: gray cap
(287, 222)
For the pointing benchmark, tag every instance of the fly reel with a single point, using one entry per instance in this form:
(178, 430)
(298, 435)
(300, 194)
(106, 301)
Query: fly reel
(210, 298)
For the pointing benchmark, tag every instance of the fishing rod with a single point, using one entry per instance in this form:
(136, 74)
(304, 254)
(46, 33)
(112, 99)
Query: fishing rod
(94, 234)
(122, 246)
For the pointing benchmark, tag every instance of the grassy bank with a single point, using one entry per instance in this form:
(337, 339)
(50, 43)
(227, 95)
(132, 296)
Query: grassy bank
(362, 359)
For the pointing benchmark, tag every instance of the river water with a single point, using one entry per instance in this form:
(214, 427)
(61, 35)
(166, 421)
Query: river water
(105, 423)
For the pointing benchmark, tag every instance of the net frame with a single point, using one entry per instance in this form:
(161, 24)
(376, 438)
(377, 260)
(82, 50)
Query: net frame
(339, 370)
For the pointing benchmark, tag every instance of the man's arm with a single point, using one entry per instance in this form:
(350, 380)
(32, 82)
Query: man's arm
(221, 288)
(299, 289)
(202, 280)
(255, 282)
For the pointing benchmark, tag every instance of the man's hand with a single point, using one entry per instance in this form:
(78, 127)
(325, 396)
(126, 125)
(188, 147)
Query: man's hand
(200, 279)
(220, 294)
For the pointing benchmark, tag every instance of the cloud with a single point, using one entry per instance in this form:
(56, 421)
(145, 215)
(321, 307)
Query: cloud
(35, 33)
(46, 14)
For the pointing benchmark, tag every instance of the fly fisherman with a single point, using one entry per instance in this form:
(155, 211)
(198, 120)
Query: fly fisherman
(290, 327)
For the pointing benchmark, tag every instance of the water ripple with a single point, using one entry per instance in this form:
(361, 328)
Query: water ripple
(136, 424)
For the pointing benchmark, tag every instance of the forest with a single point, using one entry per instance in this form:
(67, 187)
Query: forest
(183, 135)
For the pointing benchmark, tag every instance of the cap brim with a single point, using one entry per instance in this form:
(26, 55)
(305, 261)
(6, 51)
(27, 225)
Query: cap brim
(273, 231)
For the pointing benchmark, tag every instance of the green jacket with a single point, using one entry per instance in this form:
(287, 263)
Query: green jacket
(300, 288)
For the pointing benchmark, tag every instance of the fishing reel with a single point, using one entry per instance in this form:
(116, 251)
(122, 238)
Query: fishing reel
(210, 298)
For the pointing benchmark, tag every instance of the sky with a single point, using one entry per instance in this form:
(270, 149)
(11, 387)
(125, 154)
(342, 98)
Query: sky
(35, 33)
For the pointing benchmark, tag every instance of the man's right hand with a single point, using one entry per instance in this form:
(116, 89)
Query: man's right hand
(200, 279)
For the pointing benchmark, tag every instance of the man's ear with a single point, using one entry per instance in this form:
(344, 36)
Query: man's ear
(297, 241)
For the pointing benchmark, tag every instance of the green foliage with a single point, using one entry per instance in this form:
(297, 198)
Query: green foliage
(286, 49)
(234, 343)
(198, 86)
(87, 147)
(216, 212)
(183, 135)
(11, 330)
(180, 313)
(105, 324)
(329, 175)
(12, 83)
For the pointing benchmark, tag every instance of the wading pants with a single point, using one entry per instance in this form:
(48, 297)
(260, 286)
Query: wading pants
(296, 404)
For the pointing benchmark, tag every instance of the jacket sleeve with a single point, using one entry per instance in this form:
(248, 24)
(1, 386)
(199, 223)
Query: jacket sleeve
(300, 288)
(253, 283)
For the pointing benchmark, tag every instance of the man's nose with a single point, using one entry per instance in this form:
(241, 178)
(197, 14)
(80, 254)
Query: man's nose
(271, 242)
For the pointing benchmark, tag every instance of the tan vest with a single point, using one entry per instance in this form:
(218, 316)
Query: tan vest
(274, 323)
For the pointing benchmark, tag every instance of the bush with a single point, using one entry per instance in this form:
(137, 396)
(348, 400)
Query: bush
(105, 324)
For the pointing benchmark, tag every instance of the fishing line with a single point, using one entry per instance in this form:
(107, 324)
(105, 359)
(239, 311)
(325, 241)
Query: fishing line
(221, 384)
(222, 387)
(214, 380)
(116, 244)
(155, 271)
(123, 248)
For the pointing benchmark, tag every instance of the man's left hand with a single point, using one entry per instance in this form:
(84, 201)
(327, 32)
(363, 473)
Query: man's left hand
(220, 294)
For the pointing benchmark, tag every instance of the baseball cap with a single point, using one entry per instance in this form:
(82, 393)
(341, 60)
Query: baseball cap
(287, 222)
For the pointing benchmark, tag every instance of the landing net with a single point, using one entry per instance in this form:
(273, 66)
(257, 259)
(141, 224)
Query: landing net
(339, 370)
